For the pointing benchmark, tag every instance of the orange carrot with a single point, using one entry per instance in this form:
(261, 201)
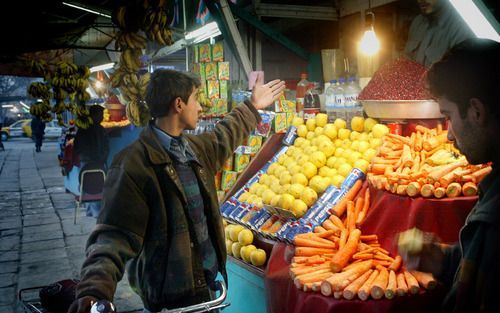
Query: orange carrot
(392, 285)
(343, 238)
(402, 288)
(328, 225)
(326, 234)
(396, 264)
(366, 205)
(359, 206)
(439, 192)
(372, 237)
(413, 189)
(411, 282)
(469, 189)
(336, 221)
(435, 175)
(383, 257)
(404, 140)
(426, 280)
(422, 129)
(303, 242)
(310, 251)
(378, 168)
(453, 190)
(427, 191)
(319, 229)
(294, 272)
(380, 284)
(351, 218)
(401, 190)
(418, 142)
(333, 282)
(340, 208)
(352, 289)
(362, 256)
(448, 178)
(480, 174)
(317, 276)
(364, 290)
(406, 159)
(341, 258)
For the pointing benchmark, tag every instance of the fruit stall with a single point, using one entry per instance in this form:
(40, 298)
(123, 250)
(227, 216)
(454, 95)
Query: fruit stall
(333, 198)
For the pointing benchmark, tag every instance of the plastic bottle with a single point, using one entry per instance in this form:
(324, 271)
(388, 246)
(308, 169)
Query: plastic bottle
(340, 99)
(358, 108)
(311, 102)
(302, 86)
(350, 97)
(330, 101)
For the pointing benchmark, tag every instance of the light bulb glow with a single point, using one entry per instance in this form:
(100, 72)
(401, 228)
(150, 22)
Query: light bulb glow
(369, 44)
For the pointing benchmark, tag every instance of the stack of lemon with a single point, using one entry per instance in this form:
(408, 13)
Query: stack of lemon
(239, 243)
(323, 154)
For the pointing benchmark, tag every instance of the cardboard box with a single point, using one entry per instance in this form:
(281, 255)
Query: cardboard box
(241, 161)
(223, 89)
(196, 53)
(289, 118)
(218, 180)
(223, 70)
(218, 52)
(221, 106)
(213, 89)
(283, 105)
(254, 142)
(228, 179)
(211, 71)
(205, 53)
(228, 165)
(280, 122)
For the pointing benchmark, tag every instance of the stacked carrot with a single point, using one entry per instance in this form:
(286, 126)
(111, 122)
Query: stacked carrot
(339, 261)
(409, 166)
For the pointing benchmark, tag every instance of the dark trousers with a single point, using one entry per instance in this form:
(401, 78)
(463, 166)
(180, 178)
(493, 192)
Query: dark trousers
(38, 141)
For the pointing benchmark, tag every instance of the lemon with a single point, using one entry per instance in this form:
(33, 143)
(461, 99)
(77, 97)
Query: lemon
(369, 154)
(346, 154)
(369, 123)
(275, 200)
(327, 148)
(375, 142)
(260, 190)
(234, 232)
(330, 130)
(363, 146)
(358, 123)
(285, 178)
(286, 201)
(318, 131)
(362, 164)
(297, 121)
(343, 133)
(309, 169)
(331, 161)
(291, 165)
(310, 135)
(280, 169)
(338, 142)
(272, 168)
(306, 143)
(354, 135)
(302, 131)
(364, 136)
(321, 119)
(300, 178)
(339, 151)
(244, 196)
(379, 130)
(355, 155)
(318, 183)
(299, 141)
(340, 123)
(339, 162)
(285, 188)
(253, 188)
(344, 169)
(301, 159)
(318, 158)
(295, 169)
(267, 196)
(310, 150)
(245, 237)
(309, 196)
(295, 190)
(326, 171)
(299, 208)
(236, 248)
(337, 180)
(276, 187)
(291, 150)
(311, 124)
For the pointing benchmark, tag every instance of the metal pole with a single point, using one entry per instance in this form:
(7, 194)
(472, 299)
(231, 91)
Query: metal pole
(185, 28)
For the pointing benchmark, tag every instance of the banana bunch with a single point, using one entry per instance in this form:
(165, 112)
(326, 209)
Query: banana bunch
(39, 90)
(83, 121)
(131, 40)
(38, 67)
(41, 109)
(138, 112)
(66, 68)
(134, 87)
(130, 59)
(156, 27)
(60, 120)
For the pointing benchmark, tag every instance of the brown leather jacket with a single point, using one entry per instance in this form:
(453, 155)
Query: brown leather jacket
(143, 219)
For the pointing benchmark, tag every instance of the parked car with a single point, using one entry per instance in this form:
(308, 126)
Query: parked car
(52, 129)
(15, 129)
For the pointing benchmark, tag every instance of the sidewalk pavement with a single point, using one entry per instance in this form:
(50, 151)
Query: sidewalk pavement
(39, 244)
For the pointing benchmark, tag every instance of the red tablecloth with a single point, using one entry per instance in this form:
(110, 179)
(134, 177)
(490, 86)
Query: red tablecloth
(389, 214)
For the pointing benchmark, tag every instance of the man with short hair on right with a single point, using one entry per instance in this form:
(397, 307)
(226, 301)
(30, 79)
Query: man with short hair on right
(466, 85)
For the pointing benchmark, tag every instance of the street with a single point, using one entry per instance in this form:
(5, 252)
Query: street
(39, 244)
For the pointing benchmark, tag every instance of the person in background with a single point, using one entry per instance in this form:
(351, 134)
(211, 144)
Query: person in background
(466, 85)
(160, 214)
(92, 147)
(434, 31)
(37, 131)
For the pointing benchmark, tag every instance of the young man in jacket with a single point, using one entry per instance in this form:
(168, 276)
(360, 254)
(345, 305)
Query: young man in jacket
(160, 211)
(466, 85)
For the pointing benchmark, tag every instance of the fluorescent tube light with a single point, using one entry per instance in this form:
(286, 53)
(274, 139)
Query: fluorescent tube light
(7, 106)
(476, 20)
(102, 67)
(204, 32)
(86, 9)
(24, 105)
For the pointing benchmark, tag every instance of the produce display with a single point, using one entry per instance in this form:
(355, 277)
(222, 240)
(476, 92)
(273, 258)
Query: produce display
(107, 123)
(338, 260)
(401, 79)
(425, 164)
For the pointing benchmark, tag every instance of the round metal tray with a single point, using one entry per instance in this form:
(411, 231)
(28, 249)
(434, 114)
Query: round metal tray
(401, 109)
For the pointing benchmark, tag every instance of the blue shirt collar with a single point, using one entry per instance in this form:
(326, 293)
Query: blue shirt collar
(176, 147)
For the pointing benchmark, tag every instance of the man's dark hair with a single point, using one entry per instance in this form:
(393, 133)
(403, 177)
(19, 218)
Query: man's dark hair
(96, 112)
(471, 69)
(165, 86)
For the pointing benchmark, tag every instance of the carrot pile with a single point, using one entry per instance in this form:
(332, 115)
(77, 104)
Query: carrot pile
(424, 164)
(341, 262)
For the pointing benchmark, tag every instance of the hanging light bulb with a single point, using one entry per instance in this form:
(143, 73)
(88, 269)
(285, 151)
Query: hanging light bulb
(369, 43)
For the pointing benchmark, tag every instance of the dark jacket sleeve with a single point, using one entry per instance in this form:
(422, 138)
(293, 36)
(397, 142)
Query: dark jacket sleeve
(228, 134)
(117, 237)
(451, 261)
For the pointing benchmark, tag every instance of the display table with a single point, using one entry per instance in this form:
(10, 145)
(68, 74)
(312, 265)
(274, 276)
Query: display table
(389, 214)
